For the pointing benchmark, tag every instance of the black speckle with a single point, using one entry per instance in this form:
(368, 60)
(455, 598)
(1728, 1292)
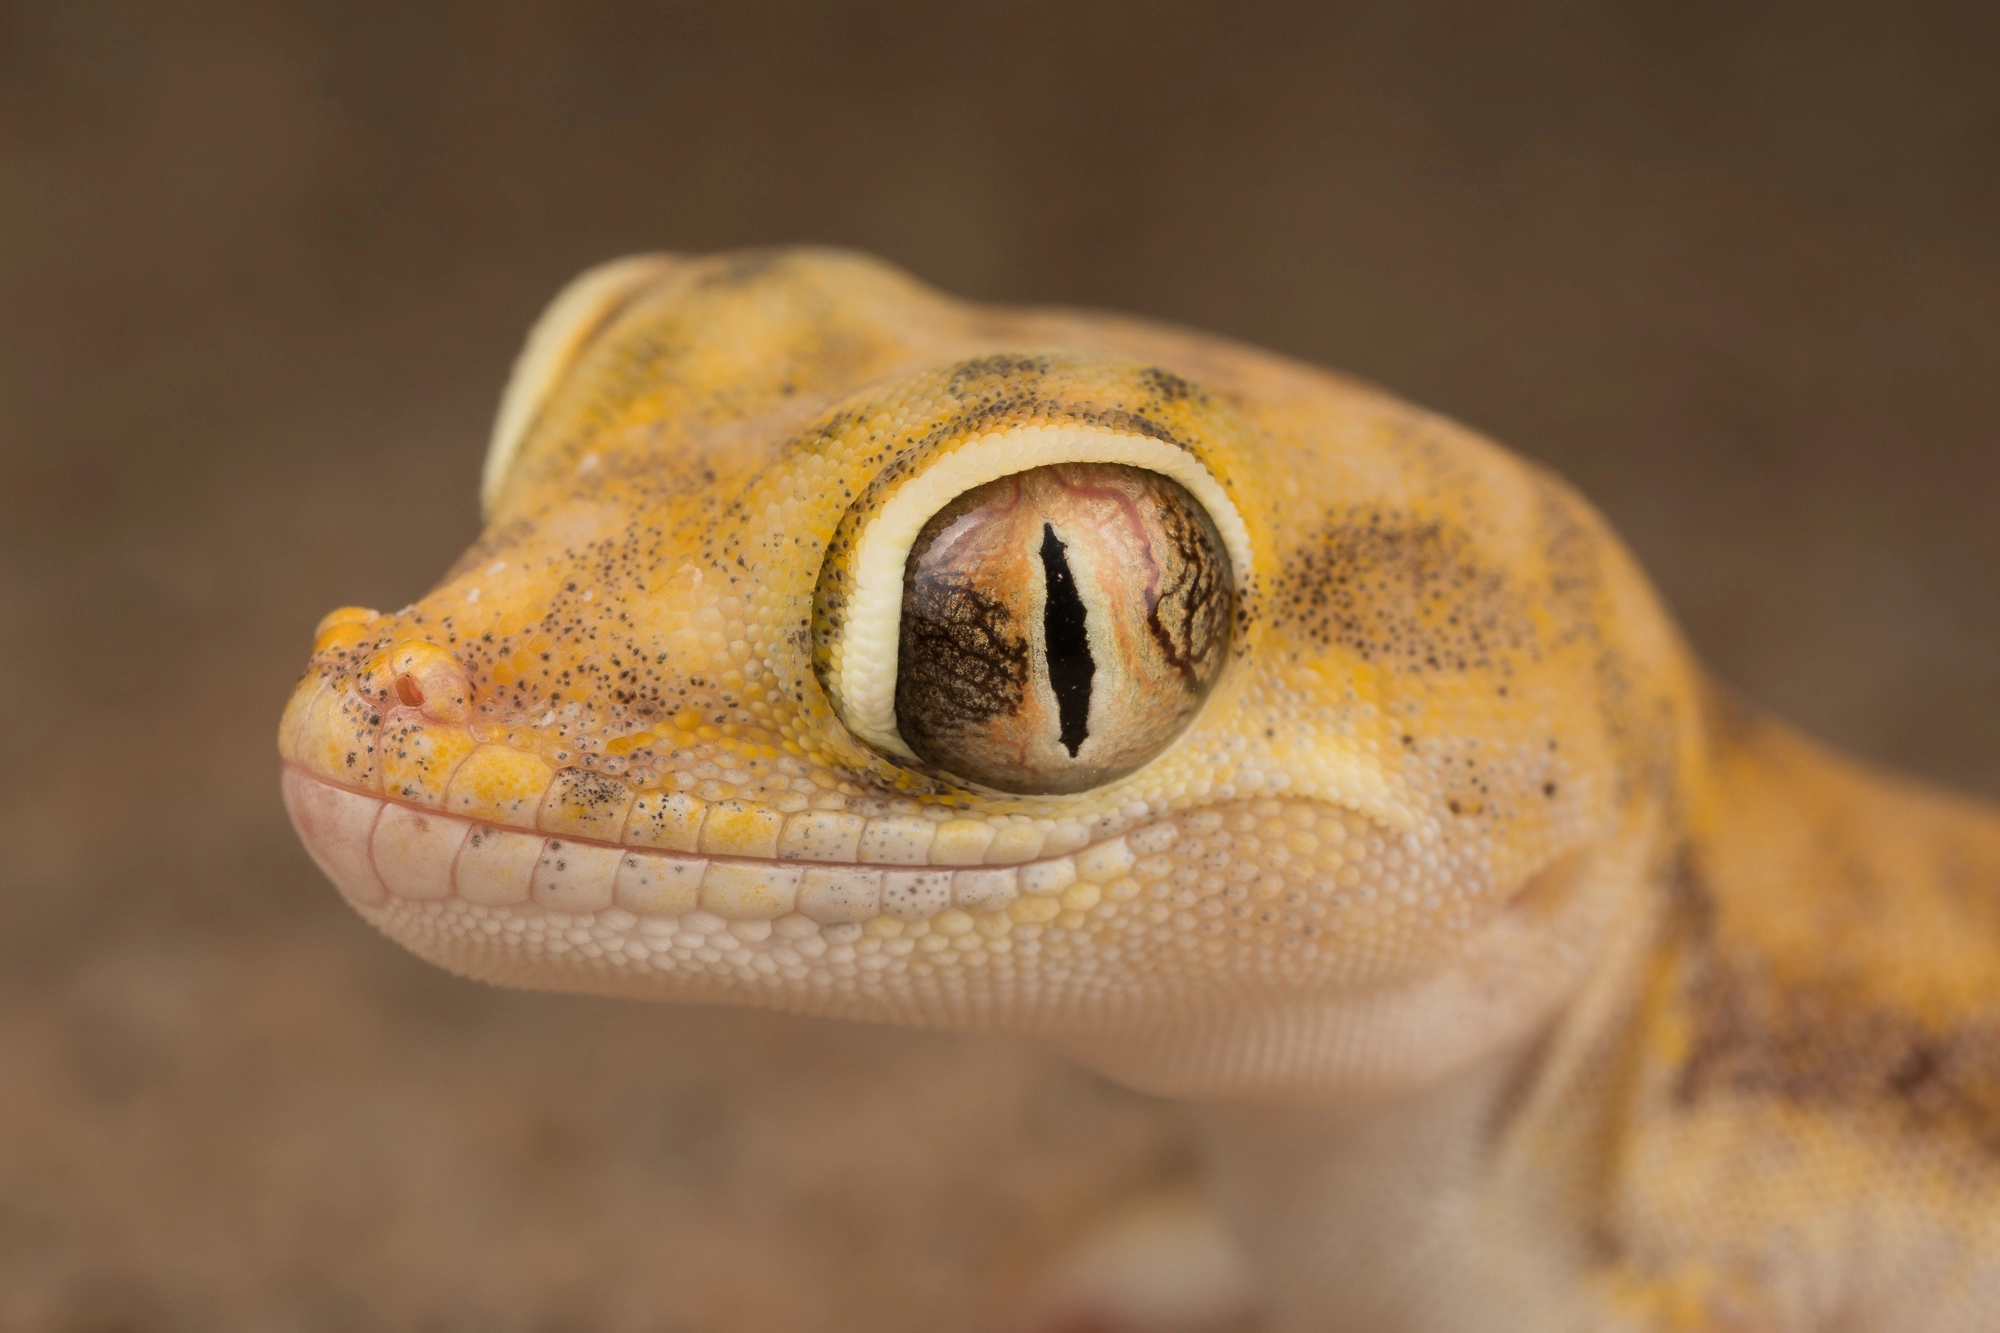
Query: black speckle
(1169, 387)
(1413, 594)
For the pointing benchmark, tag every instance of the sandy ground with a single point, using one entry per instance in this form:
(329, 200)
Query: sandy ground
(263, 270)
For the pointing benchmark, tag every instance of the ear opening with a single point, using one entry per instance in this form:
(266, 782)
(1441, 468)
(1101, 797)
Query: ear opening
(563, 330)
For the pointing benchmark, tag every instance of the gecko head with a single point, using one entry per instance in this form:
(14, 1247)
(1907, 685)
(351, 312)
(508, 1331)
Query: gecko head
(836, 647)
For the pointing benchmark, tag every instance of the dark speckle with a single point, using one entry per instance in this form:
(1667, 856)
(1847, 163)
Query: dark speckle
(1167, 386)
(1412, 594)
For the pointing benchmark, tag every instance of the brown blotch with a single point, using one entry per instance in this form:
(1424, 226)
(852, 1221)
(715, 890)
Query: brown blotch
(1823, 1042)
(1409, 593)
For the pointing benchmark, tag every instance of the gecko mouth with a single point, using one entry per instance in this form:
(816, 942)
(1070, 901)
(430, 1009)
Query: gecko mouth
(1260, 893)
(519, 907)
(376, 850)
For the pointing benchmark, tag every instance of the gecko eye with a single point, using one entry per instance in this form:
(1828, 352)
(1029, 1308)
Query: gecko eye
(1054, 628)
(1059, 626)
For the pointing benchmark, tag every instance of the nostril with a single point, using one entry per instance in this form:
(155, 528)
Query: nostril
(423, 675)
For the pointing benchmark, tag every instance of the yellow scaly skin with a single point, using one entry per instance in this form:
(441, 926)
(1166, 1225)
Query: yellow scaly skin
(1523, 980)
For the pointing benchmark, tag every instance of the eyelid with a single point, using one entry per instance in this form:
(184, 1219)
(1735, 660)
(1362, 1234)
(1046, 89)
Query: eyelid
(861, 678)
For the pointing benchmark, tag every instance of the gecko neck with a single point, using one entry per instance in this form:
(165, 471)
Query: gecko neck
(1365, 1208)
(1422, 1204)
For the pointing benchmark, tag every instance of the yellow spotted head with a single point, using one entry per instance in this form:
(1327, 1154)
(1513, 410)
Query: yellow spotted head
(836, 646)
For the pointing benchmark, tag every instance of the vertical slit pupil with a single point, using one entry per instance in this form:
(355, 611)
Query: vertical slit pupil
(1066, 644)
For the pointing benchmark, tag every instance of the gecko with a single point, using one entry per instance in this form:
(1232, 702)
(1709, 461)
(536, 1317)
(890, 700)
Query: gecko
(1226, 725)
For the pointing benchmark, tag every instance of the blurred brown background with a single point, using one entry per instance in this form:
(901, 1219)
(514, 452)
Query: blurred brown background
(1734, 269)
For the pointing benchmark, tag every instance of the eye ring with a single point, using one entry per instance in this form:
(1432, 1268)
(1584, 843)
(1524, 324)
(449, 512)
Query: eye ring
(860, 667)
